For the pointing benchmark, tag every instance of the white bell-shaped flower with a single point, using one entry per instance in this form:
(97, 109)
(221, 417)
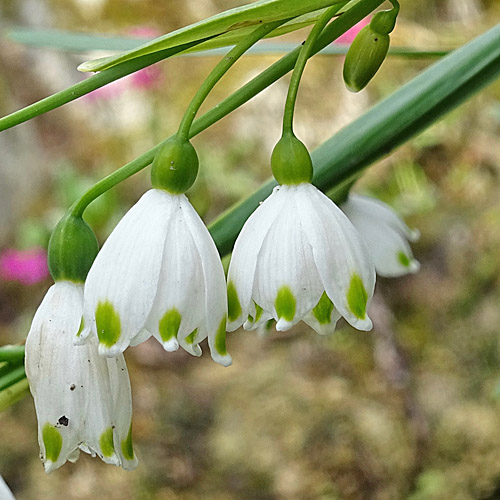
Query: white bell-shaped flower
(159, 273)
(385, 234)
(299, 258)
(82, 400)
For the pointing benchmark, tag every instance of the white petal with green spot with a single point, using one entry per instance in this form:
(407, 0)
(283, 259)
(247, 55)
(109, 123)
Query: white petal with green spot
(385, 234)
(123, 275)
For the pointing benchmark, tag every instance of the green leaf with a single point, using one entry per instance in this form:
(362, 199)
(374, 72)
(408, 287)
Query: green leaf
(396, 119)
(70, 41)
(11, 352)
(13, 393)
(12, 376)
(262, 11)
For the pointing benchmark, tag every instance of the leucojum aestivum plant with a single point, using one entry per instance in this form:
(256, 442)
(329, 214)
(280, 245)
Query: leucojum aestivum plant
(304, 248)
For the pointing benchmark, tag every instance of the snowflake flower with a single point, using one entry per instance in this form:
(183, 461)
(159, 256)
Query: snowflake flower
(82, 401)
(299, 258)
(385, 234)
(159, 273)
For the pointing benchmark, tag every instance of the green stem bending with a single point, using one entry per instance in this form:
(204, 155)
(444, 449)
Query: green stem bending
(89, 84)
(219, 71)
(304, 54)
(395, 4)
(277, 70)
(396, 119)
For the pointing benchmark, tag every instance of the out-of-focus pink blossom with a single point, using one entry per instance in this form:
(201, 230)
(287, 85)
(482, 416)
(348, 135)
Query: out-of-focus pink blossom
(109, 91)
(150, 77)
(24, 266)
(147, 78)
(350, 34)
(144, 32)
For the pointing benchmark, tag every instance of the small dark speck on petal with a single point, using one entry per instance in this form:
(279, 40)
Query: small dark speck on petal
(72, 387)
(64, 420)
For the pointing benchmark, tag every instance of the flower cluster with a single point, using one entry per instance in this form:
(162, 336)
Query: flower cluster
(298, 257)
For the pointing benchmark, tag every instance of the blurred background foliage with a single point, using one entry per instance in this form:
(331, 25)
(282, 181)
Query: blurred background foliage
(408, 411)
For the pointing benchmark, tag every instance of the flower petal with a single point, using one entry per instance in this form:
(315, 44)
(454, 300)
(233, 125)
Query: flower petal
(97, 427)
(121, 285)
(323, 317)
(287, 284)
(50, 360)
(215, 287)
(341, 257)
(241, 272)
(70, 385)
(179, 306)
(385, 235)
(122, 411)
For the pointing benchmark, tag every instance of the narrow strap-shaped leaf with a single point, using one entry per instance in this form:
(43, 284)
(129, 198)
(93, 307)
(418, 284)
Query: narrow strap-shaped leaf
(262, 11)
(11, 352)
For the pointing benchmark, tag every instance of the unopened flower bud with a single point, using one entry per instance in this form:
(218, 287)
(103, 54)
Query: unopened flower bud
(368, 50)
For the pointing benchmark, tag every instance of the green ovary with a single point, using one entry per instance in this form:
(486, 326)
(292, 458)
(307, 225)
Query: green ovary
(357, 297)
(127, 446)
(106, 442)
(52, 440)
(108, 324)
(285, 304)
(168, 326)
(323, 310)
(403, 259)
(220, 338)
(233, 302)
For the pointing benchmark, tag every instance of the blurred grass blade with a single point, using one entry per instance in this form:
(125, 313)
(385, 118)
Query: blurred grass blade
(81, 42)
(262, 11)
(71, 41)
(11, 352)
(78, 42)
(415, 106)
(13, 393)
(13, 376)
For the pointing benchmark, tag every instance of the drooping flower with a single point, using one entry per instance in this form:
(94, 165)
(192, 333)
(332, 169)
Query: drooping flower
(27, 267)
(159, 273)
(299, 258)
(82, 401)
(385, 234)
(5, 493)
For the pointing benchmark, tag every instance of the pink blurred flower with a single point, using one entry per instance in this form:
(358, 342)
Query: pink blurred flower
(349, 36)
(109, 91)
(24, 266)
(150, 77)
